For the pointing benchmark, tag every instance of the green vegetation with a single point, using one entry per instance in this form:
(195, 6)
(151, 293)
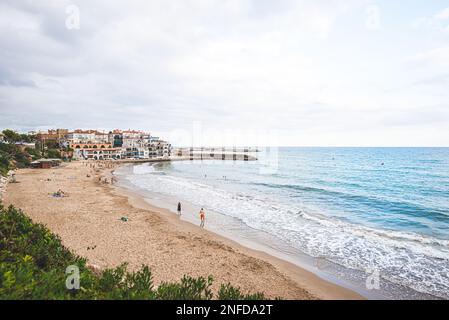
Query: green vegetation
(33, 263)
(13, 137)
(53, 153)
(4, 162)
(11, 156)
(14, 156)
(49, 149)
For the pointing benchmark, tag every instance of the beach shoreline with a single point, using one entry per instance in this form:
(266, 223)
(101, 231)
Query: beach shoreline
(90, 217)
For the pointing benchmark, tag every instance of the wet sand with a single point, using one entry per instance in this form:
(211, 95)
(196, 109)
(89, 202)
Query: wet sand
(90, 217)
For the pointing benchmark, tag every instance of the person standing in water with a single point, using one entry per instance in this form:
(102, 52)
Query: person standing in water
(179, 208)
(202, 217)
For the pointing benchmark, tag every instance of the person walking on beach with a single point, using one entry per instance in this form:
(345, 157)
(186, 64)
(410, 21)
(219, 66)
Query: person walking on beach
(202, 217)
(179, 208)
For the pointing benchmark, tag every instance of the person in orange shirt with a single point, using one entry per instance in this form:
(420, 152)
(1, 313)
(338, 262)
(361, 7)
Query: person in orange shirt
(202, 217)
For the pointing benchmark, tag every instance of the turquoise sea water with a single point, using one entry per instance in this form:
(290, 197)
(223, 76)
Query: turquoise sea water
(384, 209)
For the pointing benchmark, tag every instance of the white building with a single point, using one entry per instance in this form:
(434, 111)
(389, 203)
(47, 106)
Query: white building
(95, 151)
(159, 148)
(99, 154)
(87, 136)
(135, 144)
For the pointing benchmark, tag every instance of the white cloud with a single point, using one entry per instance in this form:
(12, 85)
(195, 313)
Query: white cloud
(437, 58)
(443, 14)
(304, 68)
(439, 21)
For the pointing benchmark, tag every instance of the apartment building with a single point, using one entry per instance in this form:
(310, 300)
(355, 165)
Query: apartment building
(135, 144)
(54, 135)
(87, 136)
(159, 148)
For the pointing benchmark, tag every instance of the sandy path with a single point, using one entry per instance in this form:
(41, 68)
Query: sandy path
(90, 217)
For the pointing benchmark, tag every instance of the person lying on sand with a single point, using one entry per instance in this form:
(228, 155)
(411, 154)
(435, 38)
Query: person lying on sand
(59, 194)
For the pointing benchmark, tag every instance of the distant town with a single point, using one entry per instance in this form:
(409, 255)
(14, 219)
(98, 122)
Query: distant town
(96, 145)
(49, 148)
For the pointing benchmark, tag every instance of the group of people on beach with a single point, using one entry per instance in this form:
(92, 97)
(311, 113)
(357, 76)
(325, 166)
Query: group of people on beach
(201, 213)
(100, 164)
(96, 167)
(106, 180)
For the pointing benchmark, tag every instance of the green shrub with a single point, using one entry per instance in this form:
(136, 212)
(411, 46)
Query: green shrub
(11, 156)
(53, 153)
(228, 292)
(188, 289)
(4, 163)
(11, 136)
(34, 153)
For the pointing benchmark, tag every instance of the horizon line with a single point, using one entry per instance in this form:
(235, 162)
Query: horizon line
(299, 146)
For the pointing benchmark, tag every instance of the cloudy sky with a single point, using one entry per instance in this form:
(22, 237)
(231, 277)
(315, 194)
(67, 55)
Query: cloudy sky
(289, 72)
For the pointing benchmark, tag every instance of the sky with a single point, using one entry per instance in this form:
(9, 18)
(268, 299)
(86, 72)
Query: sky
(230, 72)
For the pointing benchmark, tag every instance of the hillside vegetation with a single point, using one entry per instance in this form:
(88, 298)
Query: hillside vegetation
(13, 156)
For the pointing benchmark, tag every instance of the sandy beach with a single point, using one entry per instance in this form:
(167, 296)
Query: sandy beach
(88, 222)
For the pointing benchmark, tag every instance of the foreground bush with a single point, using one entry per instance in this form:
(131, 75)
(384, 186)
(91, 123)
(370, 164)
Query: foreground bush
(33, 263)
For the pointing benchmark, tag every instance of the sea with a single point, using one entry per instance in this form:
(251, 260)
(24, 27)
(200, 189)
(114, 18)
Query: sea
(375, 220)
